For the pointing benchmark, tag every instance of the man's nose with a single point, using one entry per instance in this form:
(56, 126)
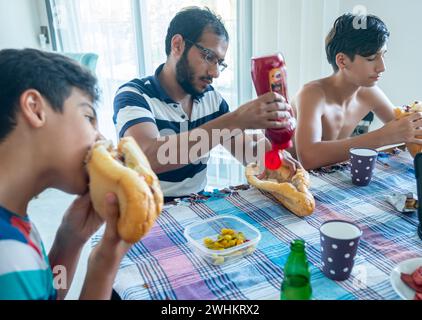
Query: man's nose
(214, 70)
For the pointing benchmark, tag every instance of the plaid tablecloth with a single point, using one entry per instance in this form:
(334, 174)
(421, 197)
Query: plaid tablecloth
(163, 266)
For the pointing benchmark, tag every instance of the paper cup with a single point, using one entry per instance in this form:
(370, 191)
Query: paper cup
(363, 165)
(339, 245)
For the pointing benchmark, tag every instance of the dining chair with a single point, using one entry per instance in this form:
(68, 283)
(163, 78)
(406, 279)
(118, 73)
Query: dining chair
(88, 59)
(364, 124)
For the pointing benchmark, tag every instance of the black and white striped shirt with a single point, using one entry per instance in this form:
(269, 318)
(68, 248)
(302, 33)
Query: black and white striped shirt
(144, 100)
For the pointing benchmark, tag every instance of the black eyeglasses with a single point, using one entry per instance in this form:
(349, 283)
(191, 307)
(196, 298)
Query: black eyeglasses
(210, 56)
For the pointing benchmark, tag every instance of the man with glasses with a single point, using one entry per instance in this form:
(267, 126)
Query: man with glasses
(175, 114)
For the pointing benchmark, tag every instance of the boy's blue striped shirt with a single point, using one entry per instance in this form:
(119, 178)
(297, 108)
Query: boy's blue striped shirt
(25, 272)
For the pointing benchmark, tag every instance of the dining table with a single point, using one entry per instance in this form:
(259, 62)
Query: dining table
(164, 266)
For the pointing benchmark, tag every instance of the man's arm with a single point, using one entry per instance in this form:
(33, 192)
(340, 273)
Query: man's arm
(248, 147)
(189, 147)
(176, 151)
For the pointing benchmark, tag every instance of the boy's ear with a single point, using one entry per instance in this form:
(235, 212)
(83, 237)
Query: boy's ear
(32, 107)
(177, 45)
(341, 61)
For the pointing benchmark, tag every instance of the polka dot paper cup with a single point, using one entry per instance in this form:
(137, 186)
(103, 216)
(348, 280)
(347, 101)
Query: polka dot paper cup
(363, 164)
(339, 245)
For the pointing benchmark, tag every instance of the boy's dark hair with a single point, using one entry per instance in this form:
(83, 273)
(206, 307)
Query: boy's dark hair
(191, 23)
(53, 75)
(355, 35)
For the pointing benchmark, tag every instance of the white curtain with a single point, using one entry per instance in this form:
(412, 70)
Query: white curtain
(104, 27)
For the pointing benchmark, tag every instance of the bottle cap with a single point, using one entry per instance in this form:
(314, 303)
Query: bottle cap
(298, 245)
(273, 160)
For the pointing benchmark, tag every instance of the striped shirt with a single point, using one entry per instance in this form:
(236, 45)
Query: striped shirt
(144, 100)
(25, 273)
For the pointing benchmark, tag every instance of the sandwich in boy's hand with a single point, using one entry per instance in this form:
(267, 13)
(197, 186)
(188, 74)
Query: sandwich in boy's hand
(126, 172)
(405, 111)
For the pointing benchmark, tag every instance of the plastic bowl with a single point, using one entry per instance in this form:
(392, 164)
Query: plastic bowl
(211, 228)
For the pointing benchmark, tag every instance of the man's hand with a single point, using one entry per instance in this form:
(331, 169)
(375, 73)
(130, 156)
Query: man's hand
(404, 130)
(269, 111)
(291, 163)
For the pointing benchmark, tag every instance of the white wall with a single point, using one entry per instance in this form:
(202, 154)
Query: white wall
(401, 81)
(298, 29)
(19, 23)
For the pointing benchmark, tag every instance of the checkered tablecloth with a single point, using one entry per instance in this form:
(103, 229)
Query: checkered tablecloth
(163, 266)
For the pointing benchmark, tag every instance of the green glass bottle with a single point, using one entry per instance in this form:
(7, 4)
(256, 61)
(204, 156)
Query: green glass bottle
(296, 284)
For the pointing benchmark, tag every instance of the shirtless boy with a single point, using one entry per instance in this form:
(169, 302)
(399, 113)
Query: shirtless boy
(330, 109)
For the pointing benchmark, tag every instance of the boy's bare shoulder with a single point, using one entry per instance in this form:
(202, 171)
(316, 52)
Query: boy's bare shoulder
(370, 94)
(312, 93)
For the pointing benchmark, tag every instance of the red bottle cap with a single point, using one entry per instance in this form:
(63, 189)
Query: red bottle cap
(273, 160)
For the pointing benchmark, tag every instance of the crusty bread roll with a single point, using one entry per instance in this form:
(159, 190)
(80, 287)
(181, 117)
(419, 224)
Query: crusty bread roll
(399, 113)
(126, 172)
(292, 192)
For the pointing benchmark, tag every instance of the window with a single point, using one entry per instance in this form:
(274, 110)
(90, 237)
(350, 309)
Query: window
(129, 37)
(107, 28)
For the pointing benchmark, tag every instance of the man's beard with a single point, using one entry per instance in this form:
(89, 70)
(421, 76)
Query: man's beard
(185, 76)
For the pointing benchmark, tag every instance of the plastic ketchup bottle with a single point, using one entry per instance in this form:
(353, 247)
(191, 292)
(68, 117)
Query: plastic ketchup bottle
(269, 75)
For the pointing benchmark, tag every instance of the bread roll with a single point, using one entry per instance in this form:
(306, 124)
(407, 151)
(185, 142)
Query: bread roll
(126, 172)
(292, 192)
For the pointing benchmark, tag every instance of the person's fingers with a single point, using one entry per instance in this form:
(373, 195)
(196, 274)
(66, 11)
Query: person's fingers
(276, 115)
(287, 107)
(276, 124)
(272, 97)
(277, 106)
(297, 163)
(111, 215)
(81, 204)
(291, 165)
(415, 140)
(417, 124)
(414, 116)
